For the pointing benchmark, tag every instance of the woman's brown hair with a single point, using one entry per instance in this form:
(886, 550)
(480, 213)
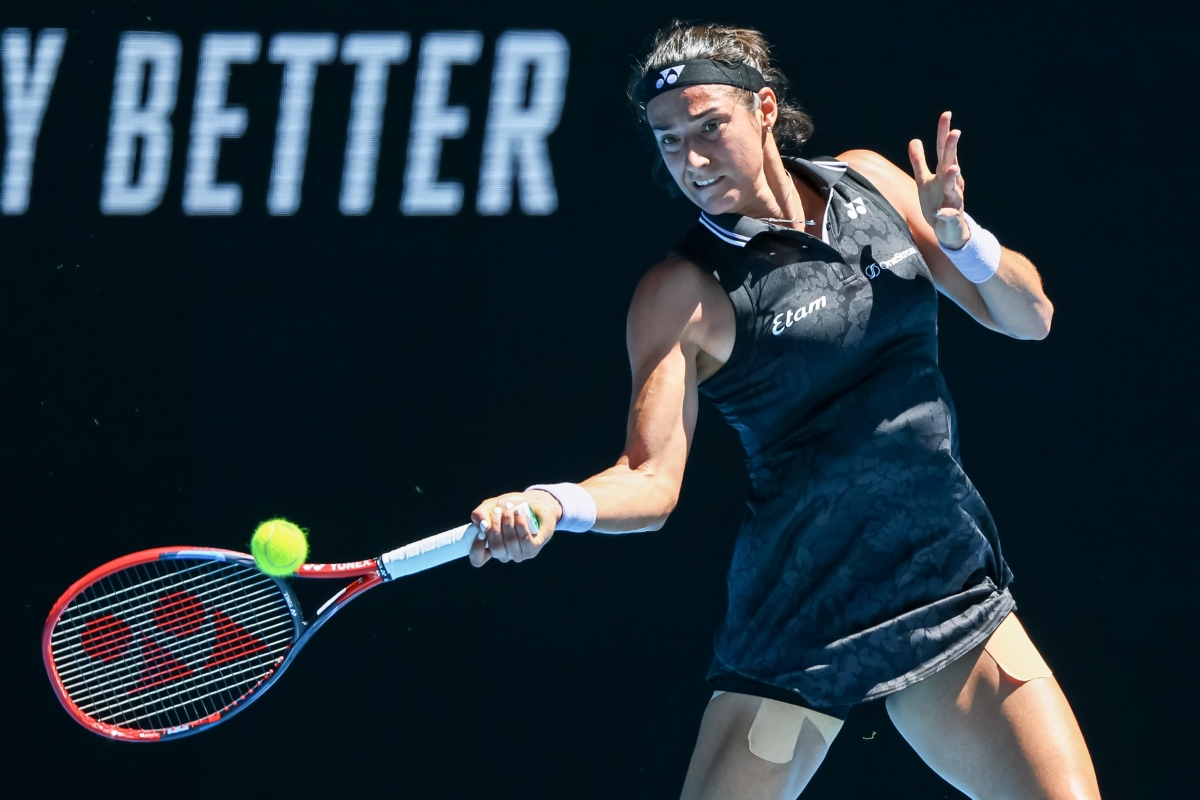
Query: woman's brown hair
(680, 41)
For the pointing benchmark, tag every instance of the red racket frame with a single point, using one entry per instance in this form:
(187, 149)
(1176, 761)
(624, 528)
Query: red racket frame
(366, 574)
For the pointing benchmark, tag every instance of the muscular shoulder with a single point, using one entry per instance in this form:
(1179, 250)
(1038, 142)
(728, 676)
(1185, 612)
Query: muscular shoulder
(896, 185)
(673, 282)
(677, 302)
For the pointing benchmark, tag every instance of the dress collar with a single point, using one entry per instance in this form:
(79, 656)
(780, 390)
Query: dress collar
(737, 230)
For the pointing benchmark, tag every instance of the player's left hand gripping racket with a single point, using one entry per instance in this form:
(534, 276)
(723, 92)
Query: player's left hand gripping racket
(163, 643)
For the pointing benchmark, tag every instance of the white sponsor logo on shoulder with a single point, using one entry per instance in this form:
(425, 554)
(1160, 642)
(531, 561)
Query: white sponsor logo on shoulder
(783, 321)
(877, 267)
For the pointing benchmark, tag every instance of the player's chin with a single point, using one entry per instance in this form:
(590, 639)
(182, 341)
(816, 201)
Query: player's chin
(712, 203)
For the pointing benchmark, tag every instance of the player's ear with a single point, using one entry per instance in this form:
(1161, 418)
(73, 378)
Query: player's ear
(766, 106)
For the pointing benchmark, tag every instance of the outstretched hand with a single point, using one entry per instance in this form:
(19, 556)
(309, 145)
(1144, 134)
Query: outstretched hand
(941, 191)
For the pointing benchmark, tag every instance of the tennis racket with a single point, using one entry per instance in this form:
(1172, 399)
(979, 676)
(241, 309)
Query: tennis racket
(164, 643)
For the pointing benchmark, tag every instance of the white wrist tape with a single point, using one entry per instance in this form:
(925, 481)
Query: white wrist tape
(979, 258)
(579, 509)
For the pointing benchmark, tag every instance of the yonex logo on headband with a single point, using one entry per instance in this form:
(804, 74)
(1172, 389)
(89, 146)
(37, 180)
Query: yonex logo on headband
(699, 71)
(669, 75)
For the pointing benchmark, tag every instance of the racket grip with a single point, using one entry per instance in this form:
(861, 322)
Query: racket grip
(439, 548)
(429, 552)
(535, 522)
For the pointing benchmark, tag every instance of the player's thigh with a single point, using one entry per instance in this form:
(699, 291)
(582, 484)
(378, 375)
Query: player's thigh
(723, 767)
(994, 737)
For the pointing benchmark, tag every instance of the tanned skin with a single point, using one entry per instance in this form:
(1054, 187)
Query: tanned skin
(983, 732)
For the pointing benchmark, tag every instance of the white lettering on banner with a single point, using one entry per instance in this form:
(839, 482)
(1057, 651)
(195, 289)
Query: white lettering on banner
(300, 53)
(132, 120)
(26, 94)
(433, 122)
(524, 108)
(517, 127)
(781, 322)
(212, 121)
(373, 53)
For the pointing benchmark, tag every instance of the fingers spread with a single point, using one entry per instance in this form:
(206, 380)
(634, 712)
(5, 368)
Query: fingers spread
(951, 190)
(943, 131)
(950, 153)
(916, 155)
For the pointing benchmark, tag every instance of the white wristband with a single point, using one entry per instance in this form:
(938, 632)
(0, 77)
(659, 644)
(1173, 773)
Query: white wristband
(979, 258)
(579, 509)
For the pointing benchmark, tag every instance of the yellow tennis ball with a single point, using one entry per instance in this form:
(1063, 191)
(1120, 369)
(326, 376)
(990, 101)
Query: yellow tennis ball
(279, 547)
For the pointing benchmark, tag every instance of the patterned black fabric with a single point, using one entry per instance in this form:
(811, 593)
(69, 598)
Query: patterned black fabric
(867, 560)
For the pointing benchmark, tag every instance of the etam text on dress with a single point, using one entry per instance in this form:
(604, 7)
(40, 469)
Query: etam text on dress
(783, 321)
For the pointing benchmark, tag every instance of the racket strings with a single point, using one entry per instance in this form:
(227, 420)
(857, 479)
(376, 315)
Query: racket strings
(148, 591)
(163, 666)
(167, 643)
(159, 665)
(113, 633)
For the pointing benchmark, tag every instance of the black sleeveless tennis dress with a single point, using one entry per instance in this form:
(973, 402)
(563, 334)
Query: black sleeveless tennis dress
(867, 560)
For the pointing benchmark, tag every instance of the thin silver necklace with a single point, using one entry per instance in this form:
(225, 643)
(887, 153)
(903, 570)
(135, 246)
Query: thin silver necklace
(785, 202)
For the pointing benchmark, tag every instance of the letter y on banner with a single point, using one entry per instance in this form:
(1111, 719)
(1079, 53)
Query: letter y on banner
(26, 95)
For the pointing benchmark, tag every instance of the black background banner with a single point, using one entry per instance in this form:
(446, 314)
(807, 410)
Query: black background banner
(173, 378)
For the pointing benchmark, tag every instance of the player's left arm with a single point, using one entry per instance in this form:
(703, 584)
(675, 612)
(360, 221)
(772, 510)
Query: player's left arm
(1012, 300)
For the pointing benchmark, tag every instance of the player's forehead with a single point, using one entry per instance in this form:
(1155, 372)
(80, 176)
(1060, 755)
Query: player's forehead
(678, 107)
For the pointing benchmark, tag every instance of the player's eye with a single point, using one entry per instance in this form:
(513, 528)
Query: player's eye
(669, 140)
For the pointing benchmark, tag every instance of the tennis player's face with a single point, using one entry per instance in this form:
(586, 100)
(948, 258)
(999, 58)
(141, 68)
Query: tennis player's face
(712, 144)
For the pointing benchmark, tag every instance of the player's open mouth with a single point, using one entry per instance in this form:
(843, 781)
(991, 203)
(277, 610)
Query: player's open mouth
(706, 183)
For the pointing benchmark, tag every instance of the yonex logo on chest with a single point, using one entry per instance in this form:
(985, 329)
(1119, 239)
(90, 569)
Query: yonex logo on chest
(783, 321)
(855, 208)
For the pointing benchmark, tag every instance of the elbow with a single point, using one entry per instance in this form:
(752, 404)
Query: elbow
(669, 501)
(666, 498)
(649, 496)
(1035, 331)
(1036, 326)
(1044, 313)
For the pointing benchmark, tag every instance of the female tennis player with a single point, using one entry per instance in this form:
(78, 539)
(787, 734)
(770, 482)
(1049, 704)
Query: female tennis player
(804, 306)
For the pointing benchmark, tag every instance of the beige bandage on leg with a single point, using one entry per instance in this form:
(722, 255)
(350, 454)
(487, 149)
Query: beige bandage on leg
(777, 726)
(1016, 656)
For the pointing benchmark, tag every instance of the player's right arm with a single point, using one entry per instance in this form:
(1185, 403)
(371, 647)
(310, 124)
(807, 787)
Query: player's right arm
(641, 489)
(673, 333)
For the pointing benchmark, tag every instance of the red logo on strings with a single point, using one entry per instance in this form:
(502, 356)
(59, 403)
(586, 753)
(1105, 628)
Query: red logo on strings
(180, 616)
(106, 638)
